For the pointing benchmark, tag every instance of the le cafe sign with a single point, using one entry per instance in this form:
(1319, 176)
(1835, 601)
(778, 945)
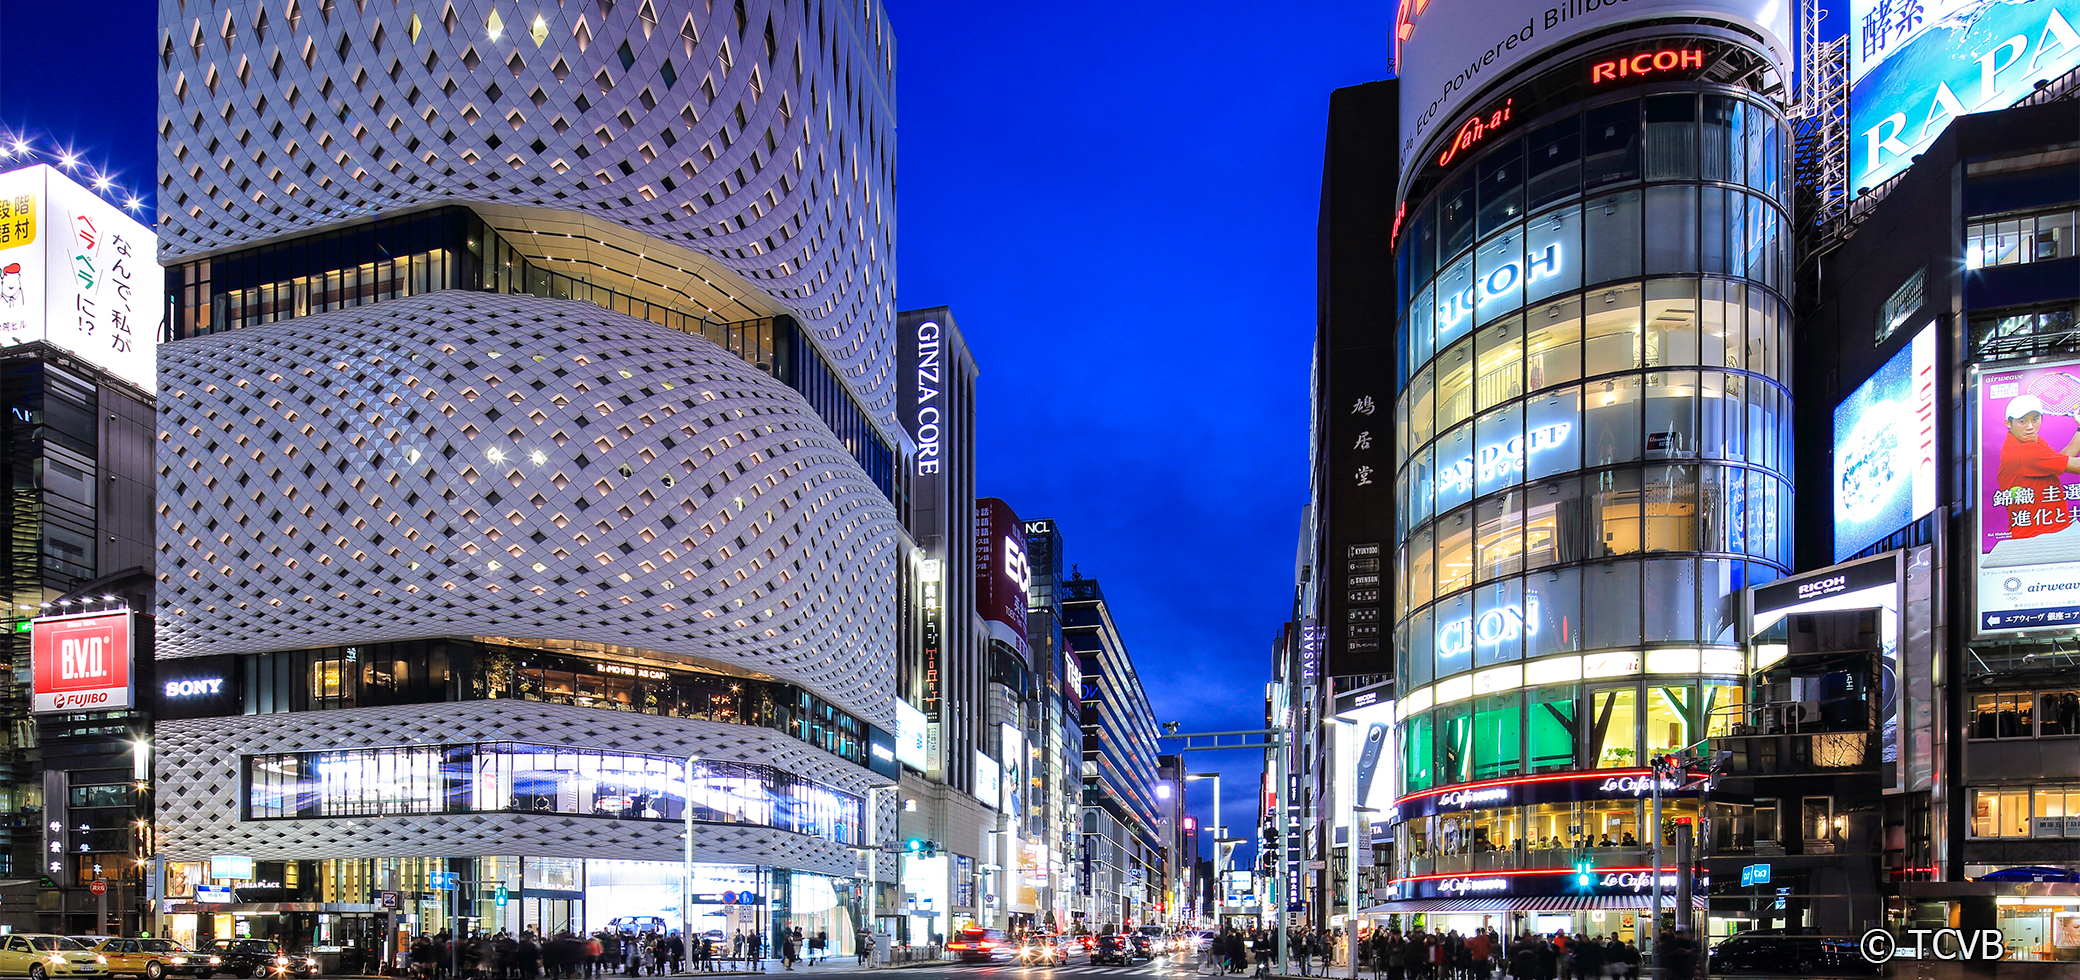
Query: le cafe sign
(1605, 883)
(1587, 788)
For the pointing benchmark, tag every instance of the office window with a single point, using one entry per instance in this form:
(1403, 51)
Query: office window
(2004, 714)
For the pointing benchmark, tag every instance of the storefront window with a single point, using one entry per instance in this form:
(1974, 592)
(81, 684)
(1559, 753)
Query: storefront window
(1553, 602)
(1498, 460)
(1416, 758)
(2000, 812)
(2060, 714)
(1554, 162)
(1499, 376)
(1553, 433)
(1455, 743)
(1552, 726)
(1669, 712)
(1671, 231)
(1670, 612)
(1454, 468)
(2002, 714)
(1614, 727)
(1612, 419)
(1614, 511)
(1498, 736)
(1553, 343)
(1669, 502)
(1555, 523)
(1611, 825)
(1610, 605)
(1500, 535)
(1723, 707)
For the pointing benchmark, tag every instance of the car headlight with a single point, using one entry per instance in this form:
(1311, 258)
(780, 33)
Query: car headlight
(214, 960)
(103, 960)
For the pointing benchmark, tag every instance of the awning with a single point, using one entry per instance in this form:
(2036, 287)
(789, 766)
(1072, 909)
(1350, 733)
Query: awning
(1545, 903)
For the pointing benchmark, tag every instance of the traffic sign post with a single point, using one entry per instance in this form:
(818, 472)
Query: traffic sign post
(99, 887)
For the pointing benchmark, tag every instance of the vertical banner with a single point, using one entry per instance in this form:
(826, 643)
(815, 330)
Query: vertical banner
(2027, 440)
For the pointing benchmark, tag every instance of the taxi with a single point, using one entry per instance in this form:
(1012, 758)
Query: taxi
(40, 955)
(149, 958)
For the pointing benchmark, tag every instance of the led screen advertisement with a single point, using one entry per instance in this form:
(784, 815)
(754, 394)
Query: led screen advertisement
(77, 272)
(82, 662)
(1914, 66)
(1885, 449)
(910, 736)
(2028, 443)
(1365, 751)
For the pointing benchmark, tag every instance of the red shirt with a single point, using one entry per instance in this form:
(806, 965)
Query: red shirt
(2029, 485)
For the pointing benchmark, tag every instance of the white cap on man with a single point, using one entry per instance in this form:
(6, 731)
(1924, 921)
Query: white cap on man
(2022, 405)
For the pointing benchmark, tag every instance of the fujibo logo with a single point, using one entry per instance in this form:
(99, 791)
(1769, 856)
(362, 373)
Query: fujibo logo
(1879, 946)
(1471, 886)
(1469, 797)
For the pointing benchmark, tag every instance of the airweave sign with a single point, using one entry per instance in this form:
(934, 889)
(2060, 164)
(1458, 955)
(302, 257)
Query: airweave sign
(82, 662)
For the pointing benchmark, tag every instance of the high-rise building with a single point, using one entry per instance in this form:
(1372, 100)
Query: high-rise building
(1932, 632)
(528, 489)
(79, 307)
(1058, 766)
(1588, 452)
(1121, 849)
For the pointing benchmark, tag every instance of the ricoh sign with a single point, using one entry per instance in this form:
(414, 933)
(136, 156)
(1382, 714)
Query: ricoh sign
(82, 662)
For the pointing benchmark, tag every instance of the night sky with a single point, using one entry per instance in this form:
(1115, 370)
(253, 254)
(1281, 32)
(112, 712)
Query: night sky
(1118, 202)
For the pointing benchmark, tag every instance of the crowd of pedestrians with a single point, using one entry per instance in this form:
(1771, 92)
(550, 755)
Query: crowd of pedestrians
(569, 956)
(1390, 954)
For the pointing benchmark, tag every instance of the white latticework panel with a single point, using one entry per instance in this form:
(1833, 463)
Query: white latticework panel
(759, 132)
(468, 464)
(201, 803)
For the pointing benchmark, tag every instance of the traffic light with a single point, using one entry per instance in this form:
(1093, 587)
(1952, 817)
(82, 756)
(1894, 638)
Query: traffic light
(1581, 874)
(921, 847)
(914, 845)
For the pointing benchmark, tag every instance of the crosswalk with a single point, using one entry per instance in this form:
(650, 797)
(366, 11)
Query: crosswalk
(1144, 970)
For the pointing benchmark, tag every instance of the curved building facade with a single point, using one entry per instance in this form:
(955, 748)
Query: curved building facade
(415, 554)
(528, 484)
(752, 142)
(1592, 425)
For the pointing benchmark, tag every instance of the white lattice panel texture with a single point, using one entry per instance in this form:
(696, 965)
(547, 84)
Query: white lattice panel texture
(200, 787)
(471, 464)
(760, 132)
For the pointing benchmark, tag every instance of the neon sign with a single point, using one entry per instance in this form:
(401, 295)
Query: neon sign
(1467, 886)
(1457, 306)
(1474, 130)
(1499, 625)
(1646, 63)
(1499, 460)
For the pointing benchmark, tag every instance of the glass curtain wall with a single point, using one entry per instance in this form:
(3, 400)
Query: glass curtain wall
(1595, 414)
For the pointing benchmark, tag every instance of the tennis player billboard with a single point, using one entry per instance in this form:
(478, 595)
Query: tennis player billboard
(2028, 433)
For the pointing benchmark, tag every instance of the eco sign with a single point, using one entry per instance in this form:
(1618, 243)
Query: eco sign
(81, 663)
(1914, 67)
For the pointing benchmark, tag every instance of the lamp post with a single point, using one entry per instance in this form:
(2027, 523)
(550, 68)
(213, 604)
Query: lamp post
(686, 880)
(1350, 920)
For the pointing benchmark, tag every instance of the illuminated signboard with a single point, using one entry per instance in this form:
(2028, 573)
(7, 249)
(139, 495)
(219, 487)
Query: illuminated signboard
(910, 736)
(1536, 790)
(1541, 882)
(1471, 132)
(1885, 449)
(2029, 544)
(81, 662)
(77, 272)
(1499, 625)
(989, 781)
(1914, 67)
(1646, 63)
(1455, 306)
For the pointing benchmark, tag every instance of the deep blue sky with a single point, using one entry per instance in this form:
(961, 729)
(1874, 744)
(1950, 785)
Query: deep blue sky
(1118, 201)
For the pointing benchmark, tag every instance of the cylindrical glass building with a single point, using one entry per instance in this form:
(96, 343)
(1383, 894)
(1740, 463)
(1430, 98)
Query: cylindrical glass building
(1593, 428)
